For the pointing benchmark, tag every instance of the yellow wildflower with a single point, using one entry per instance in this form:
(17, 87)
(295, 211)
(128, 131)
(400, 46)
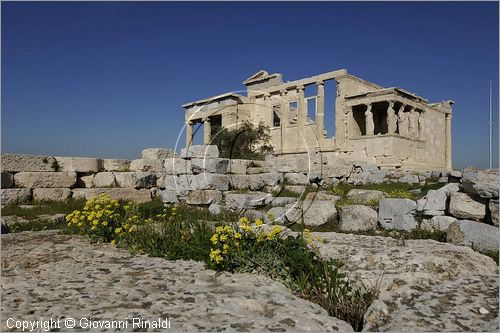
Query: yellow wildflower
(214, 238)
(258, 222)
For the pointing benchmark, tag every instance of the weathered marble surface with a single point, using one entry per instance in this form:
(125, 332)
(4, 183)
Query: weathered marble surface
(48, 275)
(424, 285)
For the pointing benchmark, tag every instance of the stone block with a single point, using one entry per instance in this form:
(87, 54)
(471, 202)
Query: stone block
(85, 180)
(318, 212)
(477, 235)
(178, 184)
(160, 181)
(271, 178)
(463, 206)
(456, 174)
(483, 183)
(493, 206)
(280, 201)
(241, 201)
(339, 168)
(277, 215)
(23, 163)
(137, 165)
(210, 181)
(209, 165)
(246, 182)
(238, 166)
(104, 179)
(79, 164)
(116, 165)
(157, 153)
(58, 194)
(203, 197)
(397, 214)
(409, 179)
(136, 179)
(435, 200)
(357, 217)
(45, 179)
(16, 195)
(215, 209)
(440, 223)
(168, 196)
(7, 180)
(296, 179)
(256, 170)
(320, 195)
(200, 151)
(364, 196)
(128, 194)
(177, 166)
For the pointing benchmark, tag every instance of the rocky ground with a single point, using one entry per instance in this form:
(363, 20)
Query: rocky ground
(424, 286)
(49, 275)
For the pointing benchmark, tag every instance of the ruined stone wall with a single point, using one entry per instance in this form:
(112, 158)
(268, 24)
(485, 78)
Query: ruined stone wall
(32, 177)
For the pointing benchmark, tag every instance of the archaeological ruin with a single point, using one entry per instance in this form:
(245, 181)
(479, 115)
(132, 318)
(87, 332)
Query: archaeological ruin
(389, 127)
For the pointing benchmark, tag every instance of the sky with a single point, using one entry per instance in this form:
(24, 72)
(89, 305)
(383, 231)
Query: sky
(107, 79)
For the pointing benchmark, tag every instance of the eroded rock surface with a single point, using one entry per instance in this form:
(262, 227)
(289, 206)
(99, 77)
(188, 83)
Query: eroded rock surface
(49, 275)
(424, 285)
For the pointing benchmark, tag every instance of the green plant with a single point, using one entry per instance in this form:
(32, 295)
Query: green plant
(43, 207)
(100, 218)
(35, 225)
(292, 260)
(247, 141)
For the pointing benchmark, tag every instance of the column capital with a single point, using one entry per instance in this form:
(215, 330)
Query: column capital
(391, 102)
(300, 87)
(448, 116)
(320, 83)
(283, 92)
(369, 107)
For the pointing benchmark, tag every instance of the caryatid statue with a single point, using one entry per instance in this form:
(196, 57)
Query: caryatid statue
(413, 123)
(370, 127)
(392, 122)
(403, 121)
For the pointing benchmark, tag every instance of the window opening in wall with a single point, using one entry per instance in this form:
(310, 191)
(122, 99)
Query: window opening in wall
(198, 133)
(276, 116)
(294, 106)
(330, 97)
(359, 126)
(311, 109)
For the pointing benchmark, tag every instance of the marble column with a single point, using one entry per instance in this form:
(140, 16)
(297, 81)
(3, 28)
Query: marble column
(301, 117)
(370, 127)
(448, 141)
(206, 131)
(320, 112)
(189, 134)
(391, 119)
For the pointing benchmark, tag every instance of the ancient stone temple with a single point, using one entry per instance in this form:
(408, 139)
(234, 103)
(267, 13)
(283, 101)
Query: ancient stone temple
(390, 127)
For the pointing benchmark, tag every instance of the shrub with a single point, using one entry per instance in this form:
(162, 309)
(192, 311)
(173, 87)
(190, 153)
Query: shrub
(247, 141)
(99, 219)
(292, 260)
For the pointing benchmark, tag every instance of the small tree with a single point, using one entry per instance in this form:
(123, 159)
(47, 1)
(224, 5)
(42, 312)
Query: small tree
(247, 141)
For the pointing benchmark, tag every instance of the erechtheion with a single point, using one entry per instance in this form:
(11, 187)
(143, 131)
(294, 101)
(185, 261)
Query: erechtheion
(390, 127)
